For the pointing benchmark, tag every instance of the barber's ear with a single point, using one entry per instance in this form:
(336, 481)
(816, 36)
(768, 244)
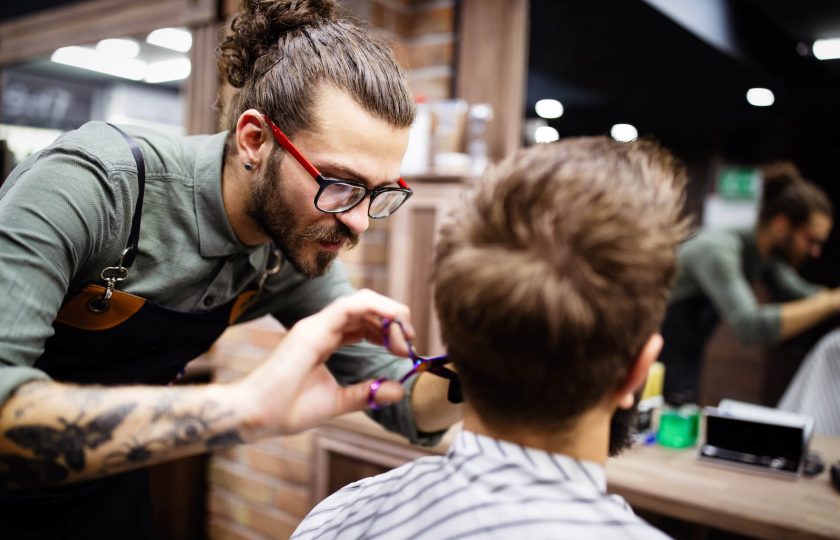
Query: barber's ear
(252, 142)
(638, 373)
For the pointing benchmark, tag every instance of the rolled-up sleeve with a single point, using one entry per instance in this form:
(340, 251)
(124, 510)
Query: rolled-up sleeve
(790, 285)
(717, 270)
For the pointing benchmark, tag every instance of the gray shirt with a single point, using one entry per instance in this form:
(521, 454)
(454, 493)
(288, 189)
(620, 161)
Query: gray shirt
(721, 264)
(65, 214)
(483, 488)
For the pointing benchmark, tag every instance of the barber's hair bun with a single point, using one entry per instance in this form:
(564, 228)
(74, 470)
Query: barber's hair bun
(257, 30)
(779, 177)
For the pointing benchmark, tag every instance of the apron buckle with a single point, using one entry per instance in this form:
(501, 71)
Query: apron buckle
(111, 275)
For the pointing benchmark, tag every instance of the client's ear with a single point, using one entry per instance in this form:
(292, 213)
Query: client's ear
(638, 373)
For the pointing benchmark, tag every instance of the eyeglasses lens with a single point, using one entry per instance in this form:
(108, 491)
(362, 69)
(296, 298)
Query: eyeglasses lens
(386, 203)
(340, 197)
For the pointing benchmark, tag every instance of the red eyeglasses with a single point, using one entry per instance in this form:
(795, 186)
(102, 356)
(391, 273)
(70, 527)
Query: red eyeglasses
(336, 196)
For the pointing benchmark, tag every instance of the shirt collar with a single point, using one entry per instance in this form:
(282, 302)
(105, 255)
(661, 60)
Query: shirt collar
(215, 234)
(543, 464)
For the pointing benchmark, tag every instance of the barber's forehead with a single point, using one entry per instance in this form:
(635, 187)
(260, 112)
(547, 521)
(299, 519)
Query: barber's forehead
(820, 218)
(346, 136)
(820, 222)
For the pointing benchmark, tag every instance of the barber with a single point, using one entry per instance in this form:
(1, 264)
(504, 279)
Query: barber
(125, 253)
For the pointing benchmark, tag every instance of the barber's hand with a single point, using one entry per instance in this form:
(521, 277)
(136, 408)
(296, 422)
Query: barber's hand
(293, 390)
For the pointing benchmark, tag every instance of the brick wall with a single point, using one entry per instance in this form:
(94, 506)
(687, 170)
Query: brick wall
(262, 490)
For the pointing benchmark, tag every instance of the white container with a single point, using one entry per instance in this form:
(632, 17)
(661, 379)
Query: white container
(417, 157)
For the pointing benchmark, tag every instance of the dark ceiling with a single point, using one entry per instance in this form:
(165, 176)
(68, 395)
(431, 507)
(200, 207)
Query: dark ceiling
(612, 61)
(626, 61)
(11, 10)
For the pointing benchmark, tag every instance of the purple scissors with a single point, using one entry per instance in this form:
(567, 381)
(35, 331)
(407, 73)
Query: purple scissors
(435, 364)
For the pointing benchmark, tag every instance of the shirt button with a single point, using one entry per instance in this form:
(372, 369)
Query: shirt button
(208, 300)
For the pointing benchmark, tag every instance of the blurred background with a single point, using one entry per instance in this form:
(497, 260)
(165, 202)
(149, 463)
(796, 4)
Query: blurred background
(725, 84)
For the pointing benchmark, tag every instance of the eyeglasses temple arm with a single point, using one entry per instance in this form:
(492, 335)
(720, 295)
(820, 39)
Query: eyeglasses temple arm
(284, 141)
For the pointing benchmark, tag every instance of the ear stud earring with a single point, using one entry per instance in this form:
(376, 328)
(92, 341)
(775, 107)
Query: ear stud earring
(248, 166)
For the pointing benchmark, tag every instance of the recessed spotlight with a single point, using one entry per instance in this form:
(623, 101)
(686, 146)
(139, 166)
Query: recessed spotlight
(86, 58)
(546, 134)
(177, 39)
(624, 132)
(549, 108)
(760, 97)
(168, 70)
(118, 49)
(827, 49)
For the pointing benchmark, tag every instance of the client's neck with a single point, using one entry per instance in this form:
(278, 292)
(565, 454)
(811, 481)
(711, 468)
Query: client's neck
(587, 438)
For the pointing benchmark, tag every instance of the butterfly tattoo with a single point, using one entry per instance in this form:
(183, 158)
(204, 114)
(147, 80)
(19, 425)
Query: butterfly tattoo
(70, 442)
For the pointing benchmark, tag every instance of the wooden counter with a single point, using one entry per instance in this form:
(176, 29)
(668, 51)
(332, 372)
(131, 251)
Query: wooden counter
(652, 478)
(672, 483)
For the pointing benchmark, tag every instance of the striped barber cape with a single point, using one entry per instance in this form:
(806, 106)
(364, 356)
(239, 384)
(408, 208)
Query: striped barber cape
(483, 488)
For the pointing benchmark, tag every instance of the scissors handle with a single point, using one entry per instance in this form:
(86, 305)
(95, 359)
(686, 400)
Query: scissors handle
(371, 400)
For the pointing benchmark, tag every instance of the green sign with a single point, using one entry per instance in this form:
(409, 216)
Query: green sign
(739, 183)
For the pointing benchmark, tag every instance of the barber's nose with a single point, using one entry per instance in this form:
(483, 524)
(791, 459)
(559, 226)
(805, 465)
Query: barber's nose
(356, 219)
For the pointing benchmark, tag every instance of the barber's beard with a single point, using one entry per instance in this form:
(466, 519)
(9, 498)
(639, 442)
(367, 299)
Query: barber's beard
(269, 206)
(786, 251)
(623, 427)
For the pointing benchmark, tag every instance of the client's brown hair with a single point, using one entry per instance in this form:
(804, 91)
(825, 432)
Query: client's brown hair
(555, 273)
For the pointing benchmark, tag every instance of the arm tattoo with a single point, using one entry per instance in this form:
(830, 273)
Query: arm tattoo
(60, 450)
(189, 428)
(132, 452)
(69, 443)
(164, 406)
(224, 440)
(183, 429)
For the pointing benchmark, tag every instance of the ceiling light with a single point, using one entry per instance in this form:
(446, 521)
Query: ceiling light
(177, 39)
(86, 58)
(549, 108)
(168, 70)
(624, 132)
(546, 134)
(827, 49)
(760, 97)
(118, 49)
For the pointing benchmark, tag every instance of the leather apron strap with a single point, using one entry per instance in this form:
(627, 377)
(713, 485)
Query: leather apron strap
(134, 236)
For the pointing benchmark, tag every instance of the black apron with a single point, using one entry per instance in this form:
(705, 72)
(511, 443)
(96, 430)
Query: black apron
(108, 337)
(687, 327)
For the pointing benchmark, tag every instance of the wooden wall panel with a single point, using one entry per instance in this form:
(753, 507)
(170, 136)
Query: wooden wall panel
(424, 220)
(203, 83)
(492, 63)
(414, 232)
